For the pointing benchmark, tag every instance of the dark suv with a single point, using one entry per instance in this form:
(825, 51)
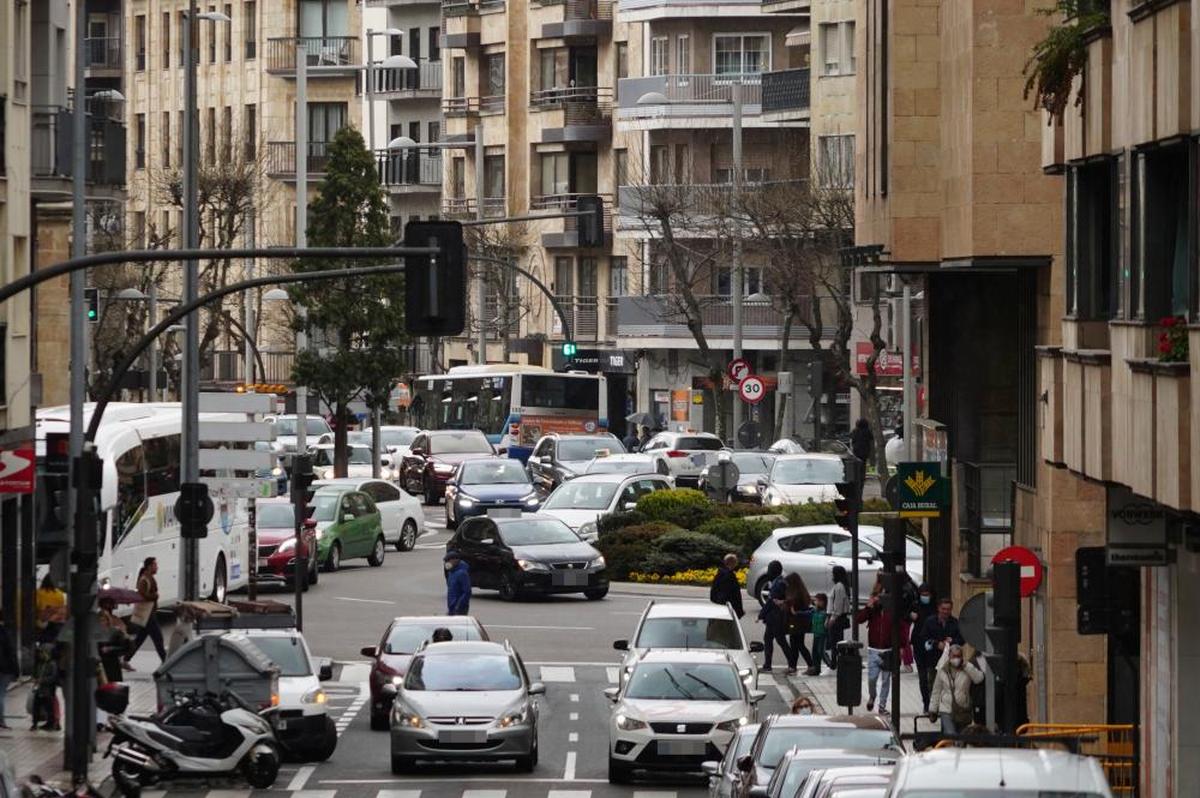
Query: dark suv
(557, 458)
(433, 457)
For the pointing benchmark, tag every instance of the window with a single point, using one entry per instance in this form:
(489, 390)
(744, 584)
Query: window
(621, 167)
(808, 543)
(325, 120)
(138, 234)
(139, 142)
(587, 277)
(564, 276)
(495, 75)
(131, 493)
(458, 178)
(493, 180)
(162, 465)
(548, 70)
(324, 18)
(228, 30)
(182, 45)
(166, 40)
(622, 60)
(659, 164)
(414, 44)
(165, 133)
(251, 131)
(555, 176)
(435, 44)
(435, 135)
(751, 281)
(458, 76)
(835, 156)
(210, 148)
(212, 38)
(3, 364)
(250, 26)
(139, 38)
(1090, 252)
(660, 277)
(660, 47)
(742, 54)
(683, 54)
(750, 174)
(618, 276)
(226, 134)
(837, 48)
(1164, 203)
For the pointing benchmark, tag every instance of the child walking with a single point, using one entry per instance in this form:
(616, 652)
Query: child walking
(819, 616)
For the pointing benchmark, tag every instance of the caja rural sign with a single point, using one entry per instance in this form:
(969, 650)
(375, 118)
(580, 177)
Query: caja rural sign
(921, 490)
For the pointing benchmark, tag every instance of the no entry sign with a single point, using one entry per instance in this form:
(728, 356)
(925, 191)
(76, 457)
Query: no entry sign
(752, 390)
(1032, 570)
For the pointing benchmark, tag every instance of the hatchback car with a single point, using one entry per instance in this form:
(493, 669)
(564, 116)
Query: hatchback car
(802, 478)
(358, 463)
(317, 431)
(752, 467)
(481, 485)
(689, 625)
(348, 527)
(400, 513)
(676, 710)
(998, 773)
(529, 554)
(799, 763)
(580, 502)
(838, 779)
(557, 458)
(723, 775)
(685, 454)
(467, 701)
(626, 464)
(402, 638)
(275, 533)
(433, 457)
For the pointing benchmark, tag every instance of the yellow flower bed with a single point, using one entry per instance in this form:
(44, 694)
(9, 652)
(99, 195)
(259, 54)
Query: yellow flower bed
(695, 576)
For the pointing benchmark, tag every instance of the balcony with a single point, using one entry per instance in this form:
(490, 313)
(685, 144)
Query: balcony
(52, 157)
(281, 159)
(399, 3)
(580, 113)
(462, 8)
(581, 19)
(652, 10)
(402, 84)
(104, 56)
(583, 313)
(463, 208)
(785, 94)
(693, 207)
(227, 368)
(563, 232)
(654, 318)
(687, 102)
(412, 172)
(460, 106)
(325, 56)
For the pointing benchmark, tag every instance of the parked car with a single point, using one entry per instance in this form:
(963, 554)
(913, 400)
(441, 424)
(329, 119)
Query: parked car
(999, 772)
(723, 775)
(837, 780)
(752, 467)
(557, 458)
(400, 514)
(676, 710)
(275, 533)
(481, 485)
(402, 638)
(580, 502)
(812, 551)
(529, 554)
(802, 478)
(626, 464)
(358, 463)
(685, 454)
(786, 446)
(393, 441)
(434, 456)
(317, 431)
(690, 624)
(467, 701)
(348, 527)
(800, 762)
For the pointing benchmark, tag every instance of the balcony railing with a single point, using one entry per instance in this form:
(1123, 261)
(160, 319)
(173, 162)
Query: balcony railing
(459, 8)
(659, 317)
(582, 105)
(228, 366)
(714, 90)
(103, 52)
(427, 78)
(692, 202)
(51, 145)
(493, 103)
(786, 90)
(464, 207)
(339, 53)
(281, 158)
(460, 106)
(413, 168)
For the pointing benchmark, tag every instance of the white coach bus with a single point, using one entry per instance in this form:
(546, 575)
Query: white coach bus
(139, 444)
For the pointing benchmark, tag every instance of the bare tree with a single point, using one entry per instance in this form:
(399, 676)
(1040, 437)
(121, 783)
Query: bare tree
(506, 242)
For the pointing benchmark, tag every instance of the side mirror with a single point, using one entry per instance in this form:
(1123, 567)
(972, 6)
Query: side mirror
(761, 482)
(711, 768)
(611, 693)
(866, 556)
(537, 688)
(621, 645)
(325, 673)
(746, 763)
(417, 452)
(310, 523)
(756, 696)
(534, 459)
(629, 506)
(369, 651)
(756, 647)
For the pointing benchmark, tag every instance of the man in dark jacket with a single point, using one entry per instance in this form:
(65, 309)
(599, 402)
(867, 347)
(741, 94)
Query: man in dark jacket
(862, 442)
(773, 616)
(725, 588)
(941, 630)
(458, 585)
(925, 660)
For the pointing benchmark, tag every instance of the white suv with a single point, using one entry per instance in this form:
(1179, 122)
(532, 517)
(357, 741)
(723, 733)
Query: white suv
(691, 625)
(685, 454)
(676, 710)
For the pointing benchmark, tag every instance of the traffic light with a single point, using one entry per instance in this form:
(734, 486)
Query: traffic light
(590, 221)
(850, 491)
(302, 479)
(570, 348)
(1004, 633)
(435, 286)
(193, 509)
(52, 509)
(849, 675)
(91, 298)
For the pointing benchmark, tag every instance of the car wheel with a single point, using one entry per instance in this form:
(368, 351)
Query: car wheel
(760, 591)
(508, 588)
(526, 764)
(328, 744)
(380, 721)
(596, 594)
(408, 536)
(375, 558)
(333, 560)
(618, 772)
(314, 571)
(400, 765)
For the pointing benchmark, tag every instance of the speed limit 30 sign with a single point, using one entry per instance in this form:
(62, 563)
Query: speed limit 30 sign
(752, 390)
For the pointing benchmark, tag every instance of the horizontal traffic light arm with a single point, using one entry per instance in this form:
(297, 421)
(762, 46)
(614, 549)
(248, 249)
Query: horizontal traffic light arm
(533, 217)
(562, 316)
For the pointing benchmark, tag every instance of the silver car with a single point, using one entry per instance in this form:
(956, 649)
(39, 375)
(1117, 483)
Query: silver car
(723, 776)
(465, 701)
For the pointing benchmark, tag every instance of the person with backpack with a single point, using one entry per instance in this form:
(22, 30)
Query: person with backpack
(773, 616)
(950, 701)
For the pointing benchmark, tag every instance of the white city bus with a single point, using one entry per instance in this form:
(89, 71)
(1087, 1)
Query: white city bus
(139, 445)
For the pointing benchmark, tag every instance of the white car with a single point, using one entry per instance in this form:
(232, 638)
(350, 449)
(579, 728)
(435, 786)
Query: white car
(803, 478)
(317, 431)
(685, 454)
(675, 711)
(393, 441)
(580, 502)
(358, 465)
(626, 464)
(1000, 772)
(399, 512)
(691, 625)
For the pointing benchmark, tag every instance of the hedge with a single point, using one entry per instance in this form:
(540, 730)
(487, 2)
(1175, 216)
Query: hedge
(626, 549)
(619, 520)
(740, 535)
(683, 551)
(825, 512)
(683, 507)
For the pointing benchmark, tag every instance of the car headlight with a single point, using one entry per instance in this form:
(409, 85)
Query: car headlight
(443, 468)
(531, 499)
(774, 498)
(320, 534)
(276, 471)
(530, 565)
(287, 545)
(316, 696)
(397, 681)
(733, 725)
(465, 501)
(626, 723)
(327, 474)
(747, 490)
(404, 716)
(105, 583)
(513, 718)
(598, 563)
(588, 530)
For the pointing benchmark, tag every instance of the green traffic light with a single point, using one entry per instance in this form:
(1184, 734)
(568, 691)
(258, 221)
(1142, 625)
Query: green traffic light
(569, 349)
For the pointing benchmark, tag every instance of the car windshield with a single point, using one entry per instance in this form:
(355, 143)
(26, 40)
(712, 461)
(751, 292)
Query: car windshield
(494, 472)
(325, 506)
(587, 448)
(459, 443)
(274, 516)
(537, 532)
(977, 793)
(807, 471)
(397, 437)
(287, 653)
(689, 633)
(691, 681)
(463, 673)
(314, 426)
(582, 496)
(781, 739)
(750, 463)
(406, 638)
(691, 444)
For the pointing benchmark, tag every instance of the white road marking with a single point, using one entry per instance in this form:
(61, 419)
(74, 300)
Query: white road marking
(484, 793)
(355, 674)
(574, 698)
(314, 794)
(442, 780)
(573, 716)
(569, 769)
(552, 673)
(154, 793)
(363, 600)
(398, 794)
(228, 794)
(553, 628)
(765, 678)
(614, 675)
(570, 794)
(654, 794)
(564, 662)
(573, 737)
(301, 778)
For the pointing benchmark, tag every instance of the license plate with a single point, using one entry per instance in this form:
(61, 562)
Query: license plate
(681, 747)
(698, 459)
(569, 578)
(462, 736)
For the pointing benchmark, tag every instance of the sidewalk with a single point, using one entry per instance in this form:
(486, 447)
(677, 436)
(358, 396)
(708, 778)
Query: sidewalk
(41, 752)
(823, 691)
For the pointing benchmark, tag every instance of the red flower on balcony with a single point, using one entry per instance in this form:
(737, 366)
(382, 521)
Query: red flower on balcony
(1173, 339)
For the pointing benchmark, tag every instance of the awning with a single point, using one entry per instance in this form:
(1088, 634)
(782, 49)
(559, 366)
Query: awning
(798, 37)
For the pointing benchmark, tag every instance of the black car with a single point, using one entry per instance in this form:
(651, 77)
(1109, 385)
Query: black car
(529, 554)
(557, 458)
(433, 457)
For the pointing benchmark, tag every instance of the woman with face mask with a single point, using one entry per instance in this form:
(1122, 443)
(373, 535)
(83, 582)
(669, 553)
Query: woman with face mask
(950, 701)
(925, 660)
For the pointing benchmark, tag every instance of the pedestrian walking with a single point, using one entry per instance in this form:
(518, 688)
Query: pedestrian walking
(879, 645)
(50, 603)
(458, 585)
(630, 441)
(924, 659)
(772, 616)
(43, 708)
(725, 588)
(799, 619)
(145, 612)
(839, 613)
(862, 442)
(908, 605)
(893, 452)
(646, 436)
(941, 630)
(951, 701)
(10, 666)
(819, 618)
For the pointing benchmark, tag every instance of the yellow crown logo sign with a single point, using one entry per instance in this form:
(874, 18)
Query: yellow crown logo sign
(920, 483)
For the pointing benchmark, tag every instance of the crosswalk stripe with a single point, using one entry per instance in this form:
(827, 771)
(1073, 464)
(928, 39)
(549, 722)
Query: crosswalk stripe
(228, 794)
(398, 794)
(552, 673)
(154, 793)
(569, 768)
(484, 793)
(301, 778)
(766, 679)
(570, 794)
(654, 794)
(314, 794)
(355, 672)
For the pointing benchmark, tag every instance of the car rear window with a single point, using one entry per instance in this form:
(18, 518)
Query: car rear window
(407, 638)
(689, 633)
(781, 739)
(699, 444)
(460, 443)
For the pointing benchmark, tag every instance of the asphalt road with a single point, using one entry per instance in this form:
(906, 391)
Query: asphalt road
(566, 642)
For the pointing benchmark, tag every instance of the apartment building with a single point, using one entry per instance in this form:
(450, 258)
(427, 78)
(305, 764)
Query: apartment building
(1120, 419)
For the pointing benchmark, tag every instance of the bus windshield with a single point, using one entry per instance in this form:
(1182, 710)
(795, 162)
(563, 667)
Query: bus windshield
(558, 392)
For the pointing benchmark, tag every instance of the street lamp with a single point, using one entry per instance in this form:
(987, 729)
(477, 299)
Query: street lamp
(388, 63)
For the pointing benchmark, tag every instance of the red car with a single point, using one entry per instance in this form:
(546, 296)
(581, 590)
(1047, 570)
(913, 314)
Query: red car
(433, 457)
(274, 528)
(400, 641)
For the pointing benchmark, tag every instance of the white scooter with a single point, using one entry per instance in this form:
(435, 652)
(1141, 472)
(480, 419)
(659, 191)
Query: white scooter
(203, 737)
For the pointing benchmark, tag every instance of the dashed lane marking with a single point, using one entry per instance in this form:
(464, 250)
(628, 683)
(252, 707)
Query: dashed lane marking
(654, 794)
(484, 793)
(476, 779)
(363, 600)
(569, 768)
(573, 716)
(574, 698)
(551, 628)
(398, 794)
(314, 794)
(553, 673)
(228, 794)
(573, 737)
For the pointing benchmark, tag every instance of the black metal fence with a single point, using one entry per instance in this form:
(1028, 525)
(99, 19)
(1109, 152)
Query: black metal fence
(785, 90)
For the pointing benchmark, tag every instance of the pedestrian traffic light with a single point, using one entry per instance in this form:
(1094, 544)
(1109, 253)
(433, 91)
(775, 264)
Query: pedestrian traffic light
(850, 491)
(193, 509)
(849, 674)
(570, 348)
(91, 298)
(52, 508)
(302, 479)
(435, 285)
(590, 221)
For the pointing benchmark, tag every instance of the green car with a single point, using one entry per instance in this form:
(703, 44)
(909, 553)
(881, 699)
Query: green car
(348, 526)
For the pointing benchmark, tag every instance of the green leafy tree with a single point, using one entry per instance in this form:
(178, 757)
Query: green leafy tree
(355, 326)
